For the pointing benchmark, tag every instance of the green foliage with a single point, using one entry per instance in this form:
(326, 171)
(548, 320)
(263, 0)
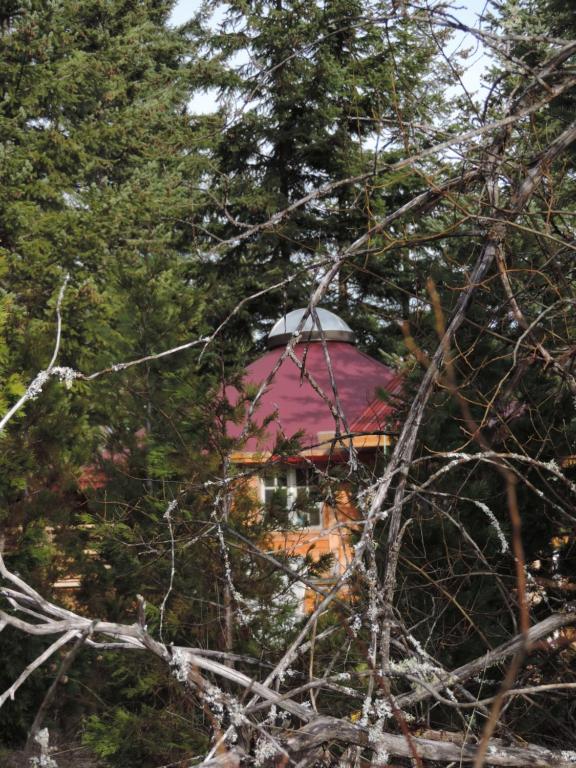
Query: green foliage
(15, 657)
(107, 177)
(139, 738)
(98, 169)
(152, 724)
(323, 84)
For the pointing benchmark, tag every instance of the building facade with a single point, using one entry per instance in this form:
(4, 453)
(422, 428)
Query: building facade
(316, 406)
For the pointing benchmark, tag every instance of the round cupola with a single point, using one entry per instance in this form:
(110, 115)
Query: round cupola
(332, 328)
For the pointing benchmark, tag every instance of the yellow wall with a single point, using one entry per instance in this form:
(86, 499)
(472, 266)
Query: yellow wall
(333, 536)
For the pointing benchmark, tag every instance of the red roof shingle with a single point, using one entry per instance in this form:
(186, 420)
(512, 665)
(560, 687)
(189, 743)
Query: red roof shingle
(298, 408)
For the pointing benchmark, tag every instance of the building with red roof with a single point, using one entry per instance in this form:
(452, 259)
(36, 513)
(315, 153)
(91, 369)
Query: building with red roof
(328, 397)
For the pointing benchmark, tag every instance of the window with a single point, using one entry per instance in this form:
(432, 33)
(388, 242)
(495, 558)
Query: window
(293, 494)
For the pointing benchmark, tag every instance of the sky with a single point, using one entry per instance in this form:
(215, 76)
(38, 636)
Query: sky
(467, 11)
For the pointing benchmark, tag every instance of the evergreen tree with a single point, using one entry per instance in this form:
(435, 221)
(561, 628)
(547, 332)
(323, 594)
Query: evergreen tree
(107, 178)
(100, 160)
(502, 392)
(314, 94)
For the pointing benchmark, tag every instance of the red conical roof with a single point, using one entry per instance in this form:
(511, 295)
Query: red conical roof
(296, 407)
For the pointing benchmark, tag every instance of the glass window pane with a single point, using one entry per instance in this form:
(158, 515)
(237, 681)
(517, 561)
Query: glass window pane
(295, 492)
(301, 497)
(297, 517)
(302, 478)
(306, 517)
(314, 517)
(275, 496)
(274, 479)
(268, 495)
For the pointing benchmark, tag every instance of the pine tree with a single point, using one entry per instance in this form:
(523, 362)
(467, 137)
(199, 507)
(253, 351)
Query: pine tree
(109, 179)
(100, 161)
(316, 93)
(502, 393)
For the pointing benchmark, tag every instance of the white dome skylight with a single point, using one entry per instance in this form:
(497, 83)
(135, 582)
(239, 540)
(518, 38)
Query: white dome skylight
(333, 327)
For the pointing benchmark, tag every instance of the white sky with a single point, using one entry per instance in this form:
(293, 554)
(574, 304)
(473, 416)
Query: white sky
(467, 11)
